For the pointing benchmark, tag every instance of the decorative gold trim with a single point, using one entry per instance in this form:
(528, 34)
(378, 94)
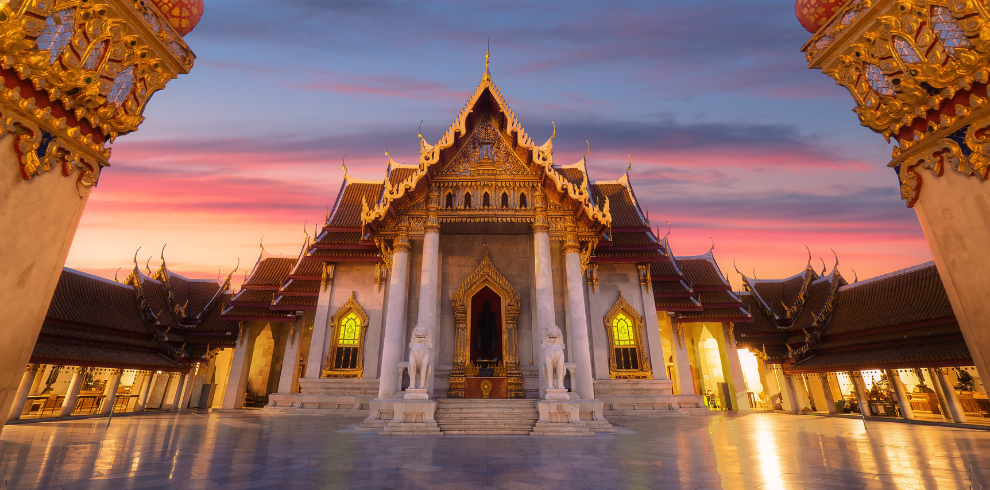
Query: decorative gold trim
(644, 276)
(350, 306)
(486, 275)
(592, 273)
(326, 279)
(645, 371)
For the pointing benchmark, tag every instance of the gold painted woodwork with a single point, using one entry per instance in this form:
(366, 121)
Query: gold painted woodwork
(350, 306)
(486, 275)
(156, 55)
(864, 32)
(645, 371)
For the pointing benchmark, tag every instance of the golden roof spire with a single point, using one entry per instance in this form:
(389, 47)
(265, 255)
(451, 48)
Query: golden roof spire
(488, 75)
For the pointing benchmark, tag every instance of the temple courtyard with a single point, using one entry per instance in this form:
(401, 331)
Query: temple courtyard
(251, 449)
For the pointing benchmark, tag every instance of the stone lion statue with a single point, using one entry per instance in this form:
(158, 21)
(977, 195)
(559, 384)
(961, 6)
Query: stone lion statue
(553, 350)
(419, 356)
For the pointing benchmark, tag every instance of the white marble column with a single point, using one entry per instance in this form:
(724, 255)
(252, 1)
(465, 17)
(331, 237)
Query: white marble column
(682, 361)
(321, 327)
(827, 403)
(395, 312)
(429, 277)
(543, 278)
(110, 392)
(788, 391)
(952, 406)
(584, 385)
(149, 381)
(23, 390)
(187, 389)
(233, 395)
(658, 360)
(862, 394)
(734, 367)
(70, 395)
(903, 402)
(291, 357)
(180, 385)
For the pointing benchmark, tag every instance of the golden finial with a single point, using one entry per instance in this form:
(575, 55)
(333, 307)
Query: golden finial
(589, 150)
(115, 275)
(343, 165)
(488, 75)
(387, 154)
(630, 164)
(420, 130)
(261, 243)
(147, 265)
(135, 257)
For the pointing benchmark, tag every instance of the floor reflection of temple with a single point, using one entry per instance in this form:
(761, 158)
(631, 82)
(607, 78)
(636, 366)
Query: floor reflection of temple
(486, 241)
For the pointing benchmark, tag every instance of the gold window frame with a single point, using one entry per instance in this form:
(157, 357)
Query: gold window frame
(623, 307)
(350, 306)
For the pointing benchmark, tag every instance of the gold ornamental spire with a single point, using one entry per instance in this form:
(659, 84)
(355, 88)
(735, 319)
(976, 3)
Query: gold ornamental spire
(488, 75)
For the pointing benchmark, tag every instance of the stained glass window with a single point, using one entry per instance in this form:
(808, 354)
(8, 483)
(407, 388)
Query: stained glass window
(55, 36)
(905, 50)
(948, 30)
(622, 331)
(350, 330)
(878, 80)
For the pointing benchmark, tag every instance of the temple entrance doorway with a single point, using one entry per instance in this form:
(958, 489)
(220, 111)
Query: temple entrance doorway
(486, 355)
(486, 331)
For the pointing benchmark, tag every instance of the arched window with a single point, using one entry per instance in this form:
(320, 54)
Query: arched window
(467, 200)
(486, 200)
(505, 199)
(346, 356)
(450, 201)
(522, 201)
(627, 358)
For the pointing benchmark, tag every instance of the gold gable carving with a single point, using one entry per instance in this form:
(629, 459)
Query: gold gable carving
(472, 160)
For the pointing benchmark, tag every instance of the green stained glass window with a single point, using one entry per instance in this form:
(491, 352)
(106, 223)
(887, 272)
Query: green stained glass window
(622, 331)
(350, 330)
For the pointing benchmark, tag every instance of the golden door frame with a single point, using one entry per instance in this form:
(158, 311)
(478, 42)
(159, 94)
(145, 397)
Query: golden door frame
(486, 275)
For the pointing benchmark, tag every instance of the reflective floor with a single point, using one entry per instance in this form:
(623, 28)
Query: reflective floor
(250, 449)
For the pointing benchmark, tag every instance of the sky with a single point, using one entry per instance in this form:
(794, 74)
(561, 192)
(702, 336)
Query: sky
(733, 140)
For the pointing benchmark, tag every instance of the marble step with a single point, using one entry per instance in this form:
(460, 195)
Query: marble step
(486, 417)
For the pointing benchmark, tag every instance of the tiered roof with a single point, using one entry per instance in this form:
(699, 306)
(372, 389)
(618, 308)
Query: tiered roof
(811, 322)
(134, 325)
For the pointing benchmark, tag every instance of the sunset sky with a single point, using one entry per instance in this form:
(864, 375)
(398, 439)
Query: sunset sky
(732, 137)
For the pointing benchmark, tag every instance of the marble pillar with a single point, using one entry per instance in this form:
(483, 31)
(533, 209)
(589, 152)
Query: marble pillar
(393, 343)
(180, 384)
(682, 360)
(429, 278)
(187, 388)
(901, 393)
(321, 328)
(148, 381)
(110, 392)
(821, 393)
(862, 394)
(952, 406)
(240, 366)
(69, 403)
(788, 393)
(580, 344)
(829, 394)
(658, 360)
(543, 278)
(287, 376)
(731, 364)
(23, 390)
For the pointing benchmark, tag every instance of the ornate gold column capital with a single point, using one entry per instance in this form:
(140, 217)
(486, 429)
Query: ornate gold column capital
(540, 223)
(32, 368)
(571, 245)
(401, 242)
(432, 224)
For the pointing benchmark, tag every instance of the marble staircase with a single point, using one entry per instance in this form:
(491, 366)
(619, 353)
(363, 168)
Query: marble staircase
(486, 416)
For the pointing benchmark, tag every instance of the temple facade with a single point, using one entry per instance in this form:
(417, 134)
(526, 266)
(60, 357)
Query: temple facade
(486, 242)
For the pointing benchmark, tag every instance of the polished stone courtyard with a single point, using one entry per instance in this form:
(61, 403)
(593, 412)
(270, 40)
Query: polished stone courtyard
(250, 449)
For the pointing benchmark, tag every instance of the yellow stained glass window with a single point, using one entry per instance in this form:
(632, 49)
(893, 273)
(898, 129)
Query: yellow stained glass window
(350, 330)
(622, 331)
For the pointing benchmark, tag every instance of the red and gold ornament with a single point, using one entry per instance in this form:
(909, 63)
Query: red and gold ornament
(814, 13)
(182, 14)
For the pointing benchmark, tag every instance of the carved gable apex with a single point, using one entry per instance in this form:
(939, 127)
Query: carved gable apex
(487, 153)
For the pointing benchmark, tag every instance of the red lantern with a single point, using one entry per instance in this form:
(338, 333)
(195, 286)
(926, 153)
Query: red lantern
(182, 14)
(814, 13)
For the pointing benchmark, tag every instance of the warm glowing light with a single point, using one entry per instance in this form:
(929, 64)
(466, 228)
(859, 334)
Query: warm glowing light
(751, 371)
(769, 459)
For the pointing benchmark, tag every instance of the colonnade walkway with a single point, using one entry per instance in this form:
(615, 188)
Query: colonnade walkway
(249, 449)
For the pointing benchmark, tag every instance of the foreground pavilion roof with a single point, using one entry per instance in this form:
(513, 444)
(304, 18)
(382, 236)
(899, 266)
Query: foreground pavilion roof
(814, 322)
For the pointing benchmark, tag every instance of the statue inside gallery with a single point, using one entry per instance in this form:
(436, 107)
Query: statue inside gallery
(553, 367)
(419, 362)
